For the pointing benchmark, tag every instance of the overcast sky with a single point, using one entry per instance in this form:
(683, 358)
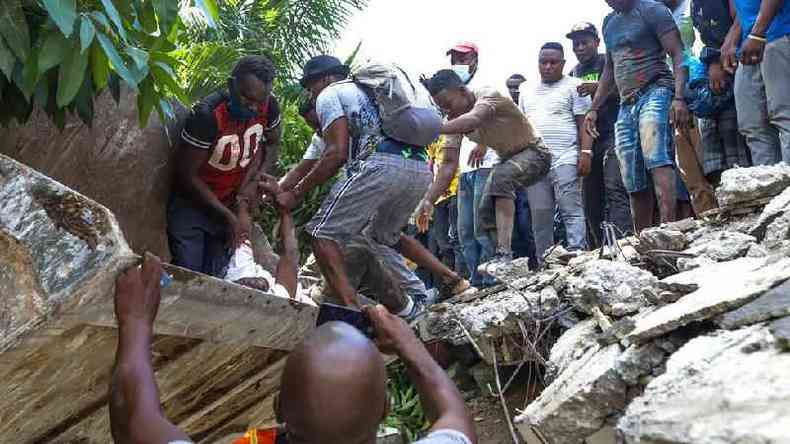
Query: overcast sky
(417, 33)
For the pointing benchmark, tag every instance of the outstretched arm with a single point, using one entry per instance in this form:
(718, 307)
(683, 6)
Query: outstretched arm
(136, 415)
(443, 404)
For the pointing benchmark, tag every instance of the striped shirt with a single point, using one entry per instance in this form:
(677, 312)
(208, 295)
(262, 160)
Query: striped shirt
(552, 108)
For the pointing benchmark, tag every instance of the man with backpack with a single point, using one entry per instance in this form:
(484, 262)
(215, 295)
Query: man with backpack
(488, 118)
(385, 178)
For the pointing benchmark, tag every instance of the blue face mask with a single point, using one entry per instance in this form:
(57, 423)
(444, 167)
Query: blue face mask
(236, 109)
(463, 72)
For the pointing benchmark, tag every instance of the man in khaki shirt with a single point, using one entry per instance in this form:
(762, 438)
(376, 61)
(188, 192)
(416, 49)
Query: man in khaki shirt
(489, 118)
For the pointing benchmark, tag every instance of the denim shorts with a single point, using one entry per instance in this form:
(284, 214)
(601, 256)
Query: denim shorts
(644, 137)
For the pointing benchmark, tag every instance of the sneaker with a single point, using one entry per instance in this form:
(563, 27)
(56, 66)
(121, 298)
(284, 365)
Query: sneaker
(489, 268)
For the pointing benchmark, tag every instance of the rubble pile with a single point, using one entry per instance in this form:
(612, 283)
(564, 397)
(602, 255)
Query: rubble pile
(681, 335)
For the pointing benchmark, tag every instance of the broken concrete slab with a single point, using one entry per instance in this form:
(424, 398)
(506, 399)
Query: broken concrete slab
(618, 289)
(662, 239)
(727, 387)
(776, 208)
(570, 346)
(723, 287)
(746, 185)
(722, 246)
(773, 304)
(688, 264)
(591, 389)
(778, 232)
(781, 331)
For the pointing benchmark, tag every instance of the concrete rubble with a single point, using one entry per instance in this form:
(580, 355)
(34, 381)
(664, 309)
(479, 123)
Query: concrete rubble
(681, 335)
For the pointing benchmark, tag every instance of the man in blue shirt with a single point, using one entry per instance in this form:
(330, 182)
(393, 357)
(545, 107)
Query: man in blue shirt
(762, 92)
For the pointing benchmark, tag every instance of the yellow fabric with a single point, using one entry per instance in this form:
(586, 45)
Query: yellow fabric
(436, 154)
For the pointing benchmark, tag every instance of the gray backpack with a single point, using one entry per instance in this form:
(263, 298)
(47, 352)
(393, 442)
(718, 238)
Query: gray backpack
(407, 111)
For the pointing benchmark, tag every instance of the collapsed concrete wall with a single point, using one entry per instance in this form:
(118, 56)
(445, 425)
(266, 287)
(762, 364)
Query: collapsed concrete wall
(678, 336)
(218, 351)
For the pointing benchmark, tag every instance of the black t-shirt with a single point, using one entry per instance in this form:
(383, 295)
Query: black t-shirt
(607, 115)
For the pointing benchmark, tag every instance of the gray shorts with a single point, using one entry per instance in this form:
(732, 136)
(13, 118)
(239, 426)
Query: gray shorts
(516, 173)
(378, 196)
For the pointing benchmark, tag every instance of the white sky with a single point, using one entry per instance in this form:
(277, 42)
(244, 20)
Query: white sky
(415, 34)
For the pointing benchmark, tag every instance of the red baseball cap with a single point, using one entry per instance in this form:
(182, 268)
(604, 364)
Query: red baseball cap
(464, 47)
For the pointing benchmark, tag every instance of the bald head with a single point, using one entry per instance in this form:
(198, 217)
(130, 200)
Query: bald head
(334, 387)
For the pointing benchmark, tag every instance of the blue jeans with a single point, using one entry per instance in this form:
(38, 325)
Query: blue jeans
(475, 243)
(523, 241)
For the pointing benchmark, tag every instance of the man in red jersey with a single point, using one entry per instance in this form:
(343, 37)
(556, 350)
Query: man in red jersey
(229, 138)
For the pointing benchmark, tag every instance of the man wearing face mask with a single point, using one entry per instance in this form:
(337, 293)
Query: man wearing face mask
(228, 139)
(475, 162)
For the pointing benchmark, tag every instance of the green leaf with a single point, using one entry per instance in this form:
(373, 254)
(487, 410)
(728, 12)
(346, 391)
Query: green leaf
(102, 19)
(41, 96)
(117, 62)
(30, 75)
(71, 75)
(53, 51)
(100, 67)
(14, 28)
(87, 34)
(7, 60)
(165, 110)
(211, 10)
(167, 11)
(115, 88)
(147, 16)
(164, 75)
(63, 13)
(84, 102)
(147, 99)
(115, 16)
(139, 56)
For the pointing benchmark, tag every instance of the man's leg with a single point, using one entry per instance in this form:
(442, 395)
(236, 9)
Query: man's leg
(541, 204)
(656, 140)
(373, 271)
(618, 205)
(483, 236)
(595, 194)
(455, 243)
(505, 219)
(333, 266)
(568, 194)
(440, 232)
(523, 242)
(413, 250)
(466, 226)
(752, 105)
(186, 234)
(702, 197)
(775, 68)
(643, 205)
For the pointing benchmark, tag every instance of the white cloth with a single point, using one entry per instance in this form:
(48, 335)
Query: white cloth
(552, 108)
(243, 266)
(467, 145)
(445, 436)
(316, 148)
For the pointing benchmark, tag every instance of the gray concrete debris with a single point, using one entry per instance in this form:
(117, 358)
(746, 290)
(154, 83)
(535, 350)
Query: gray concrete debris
(757, 250)
(389, 435)
(778, 232)
(722, 246)
(510, 271)
(683, 226)
(662, 239)
(571, 346)
(723, 287)
(688, 264)
(591, 389)
(781, 331)
(618, 289)
(778, 206)
(728, 387)
(747, 185)
(773, 304)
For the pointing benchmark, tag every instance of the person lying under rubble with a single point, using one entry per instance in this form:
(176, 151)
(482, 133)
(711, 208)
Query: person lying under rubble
(336, 369)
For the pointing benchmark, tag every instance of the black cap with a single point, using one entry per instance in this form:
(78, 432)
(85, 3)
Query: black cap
(323, 65)
(583, 28)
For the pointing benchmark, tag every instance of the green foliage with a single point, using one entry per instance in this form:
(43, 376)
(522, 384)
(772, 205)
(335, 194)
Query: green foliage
(406, 412)
(60, 54)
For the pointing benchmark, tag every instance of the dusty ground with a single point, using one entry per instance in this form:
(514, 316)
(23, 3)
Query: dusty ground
(489, 416)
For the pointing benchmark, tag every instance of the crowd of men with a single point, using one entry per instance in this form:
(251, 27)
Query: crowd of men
(626, 139)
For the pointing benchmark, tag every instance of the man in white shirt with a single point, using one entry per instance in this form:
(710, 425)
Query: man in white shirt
(557, 111)
(475, 163)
